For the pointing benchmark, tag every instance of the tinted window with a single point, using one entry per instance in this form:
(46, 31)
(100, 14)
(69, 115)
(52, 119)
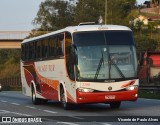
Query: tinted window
(23, 52)
(38, 49)
(31, 51)
(119, 37)
(52, 46)
(103, 37)
(89, 38)
(60, 45)
(45, 48)
(26, 52)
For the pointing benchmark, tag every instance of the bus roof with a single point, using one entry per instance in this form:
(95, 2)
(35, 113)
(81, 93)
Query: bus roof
(81, 28)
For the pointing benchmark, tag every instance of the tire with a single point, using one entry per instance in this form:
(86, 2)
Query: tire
(35, 100)
(115, 105)
(44, 101)
(64, 104)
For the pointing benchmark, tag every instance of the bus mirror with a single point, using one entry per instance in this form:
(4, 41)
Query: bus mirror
(74, 47)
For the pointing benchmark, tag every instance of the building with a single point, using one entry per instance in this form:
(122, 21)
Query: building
(147, 4)
(142, 19)
(147, 19)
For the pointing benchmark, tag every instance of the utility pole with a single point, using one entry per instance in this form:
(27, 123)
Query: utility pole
(105, 11)
(159, 8)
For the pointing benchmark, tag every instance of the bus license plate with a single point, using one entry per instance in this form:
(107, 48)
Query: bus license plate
(110, 97)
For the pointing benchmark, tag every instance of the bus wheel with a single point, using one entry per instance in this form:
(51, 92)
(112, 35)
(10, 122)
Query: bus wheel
(44, 101)
(35, 100)
(115, 105)
(64, 104)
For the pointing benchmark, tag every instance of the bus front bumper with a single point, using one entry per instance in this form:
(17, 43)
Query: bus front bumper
(106, 97)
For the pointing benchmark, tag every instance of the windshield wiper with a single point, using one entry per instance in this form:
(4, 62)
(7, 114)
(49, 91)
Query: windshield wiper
(115, 65)
(99, 66)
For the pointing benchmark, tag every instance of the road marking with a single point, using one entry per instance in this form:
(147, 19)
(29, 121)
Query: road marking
(3, 111)
(150, 99)
(105, 124)
(67, 123)
(49, 111)
(31, 107)
(3, 101)
(9, 112)
(15, 104)
(76, 117)
(17, 113)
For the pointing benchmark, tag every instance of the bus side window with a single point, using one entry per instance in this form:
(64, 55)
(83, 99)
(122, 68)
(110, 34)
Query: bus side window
(38, 50)
(60, 45)
(34, 50)
(26, 52)
(31, 51)
(45, 48)
(52, 47)
(23, 52)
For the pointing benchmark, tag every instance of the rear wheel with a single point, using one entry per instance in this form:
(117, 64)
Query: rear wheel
(115, 105)
(64, 104)
(44, 101)
(35, 100)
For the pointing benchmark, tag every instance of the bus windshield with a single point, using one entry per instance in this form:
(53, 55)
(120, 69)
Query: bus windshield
(105, 55)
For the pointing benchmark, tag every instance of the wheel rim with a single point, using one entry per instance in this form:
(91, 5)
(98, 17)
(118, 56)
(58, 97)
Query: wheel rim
(63, 100)
(33, 96)
(63, 97)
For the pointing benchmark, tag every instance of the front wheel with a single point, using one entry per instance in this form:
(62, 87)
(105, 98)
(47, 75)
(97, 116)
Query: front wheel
(115, 105)
(64, 104)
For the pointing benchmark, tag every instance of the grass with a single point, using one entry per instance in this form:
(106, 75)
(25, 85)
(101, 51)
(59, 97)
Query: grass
(149, 94)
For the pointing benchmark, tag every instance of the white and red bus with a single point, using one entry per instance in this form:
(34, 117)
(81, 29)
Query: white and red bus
(81, 64)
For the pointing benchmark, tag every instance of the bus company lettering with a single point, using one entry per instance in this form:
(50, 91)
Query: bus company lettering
(85, 84)
(46, 68)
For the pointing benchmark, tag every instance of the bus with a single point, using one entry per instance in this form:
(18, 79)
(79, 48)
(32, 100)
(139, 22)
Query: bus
(81, 64)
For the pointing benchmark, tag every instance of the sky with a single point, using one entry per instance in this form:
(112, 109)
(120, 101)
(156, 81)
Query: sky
(17, 15)
(141, 1)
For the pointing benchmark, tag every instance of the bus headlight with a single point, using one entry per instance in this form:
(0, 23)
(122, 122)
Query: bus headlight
(85, 90)
(132, 87)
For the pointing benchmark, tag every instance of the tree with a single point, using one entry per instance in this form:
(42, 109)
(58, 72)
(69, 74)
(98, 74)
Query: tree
(138, 26)
(53, 15)
(9, 63)
(144, 43)
(155, 2)
(88, 11)
(117, 10)
(57, 14)
(152, 27)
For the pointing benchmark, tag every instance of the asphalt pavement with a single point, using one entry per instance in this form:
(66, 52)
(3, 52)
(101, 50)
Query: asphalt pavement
(17, 108)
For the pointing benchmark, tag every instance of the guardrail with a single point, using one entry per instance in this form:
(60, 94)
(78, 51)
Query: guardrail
(155, 88)
(11, 82)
